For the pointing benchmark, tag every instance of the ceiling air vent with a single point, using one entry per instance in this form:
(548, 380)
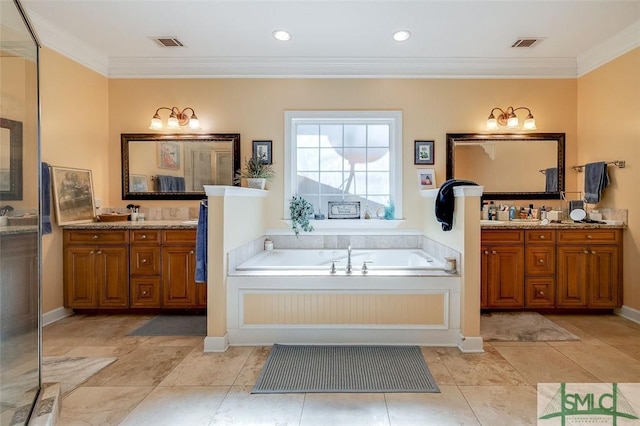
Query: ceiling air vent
(526, 42)
(168, 41)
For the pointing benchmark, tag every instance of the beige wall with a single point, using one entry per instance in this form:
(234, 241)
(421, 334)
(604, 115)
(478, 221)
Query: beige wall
(74, 133)
(255, 108)
(609, 129)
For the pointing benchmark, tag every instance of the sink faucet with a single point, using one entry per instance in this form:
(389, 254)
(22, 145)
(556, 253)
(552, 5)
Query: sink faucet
(348, 270)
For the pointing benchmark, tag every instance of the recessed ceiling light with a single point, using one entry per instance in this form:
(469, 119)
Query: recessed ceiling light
(401, 35)
(282, 35)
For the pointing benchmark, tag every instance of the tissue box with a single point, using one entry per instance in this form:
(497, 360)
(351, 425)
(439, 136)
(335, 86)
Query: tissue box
(555, 215)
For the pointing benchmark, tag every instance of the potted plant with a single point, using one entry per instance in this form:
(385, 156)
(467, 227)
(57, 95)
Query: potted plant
(300, 210)
(256, 171)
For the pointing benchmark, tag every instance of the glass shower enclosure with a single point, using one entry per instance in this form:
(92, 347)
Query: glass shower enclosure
(20, 365)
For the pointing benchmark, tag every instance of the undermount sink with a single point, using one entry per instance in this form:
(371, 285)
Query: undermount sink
(491, 222)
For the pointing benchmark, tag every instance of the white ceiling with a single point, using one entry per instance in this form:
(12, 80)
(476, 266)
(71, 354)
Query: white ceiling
(350, 38)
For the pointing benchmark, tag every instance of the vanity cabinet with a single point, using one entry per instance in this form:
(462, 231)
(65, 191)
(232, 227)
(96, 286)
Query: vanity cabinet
(543, 268)
(96, 269)
(502, 266)
(590, 269)
(137, 268)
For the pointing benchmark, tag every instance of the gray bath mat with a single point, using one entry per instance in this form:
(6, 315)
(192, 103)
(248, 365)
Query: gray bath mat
(521, 327)
(173, 325)
(309, 369)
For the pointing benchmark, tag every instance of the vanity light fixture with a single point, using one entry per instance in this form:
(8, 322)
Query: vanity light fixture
(401, 35)
(282, 35)
(509, 119)
(176, 119)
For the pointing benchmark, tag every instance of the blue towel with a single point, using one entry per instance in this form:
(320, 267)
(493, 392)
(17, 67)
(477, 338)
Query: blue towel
(551, 180)
(596, 179)
(201, 244)
(179, 185)
(171, 183)
(45, 198)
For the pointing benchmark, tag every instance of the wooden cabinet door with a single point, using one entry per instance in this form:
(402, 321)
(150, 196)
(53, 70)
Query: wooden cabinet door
(80, 289)
(573, 276)
(178, 276)
(201, 295)
(605, 276)
(112, 276)
(484, 276)
(505, 279)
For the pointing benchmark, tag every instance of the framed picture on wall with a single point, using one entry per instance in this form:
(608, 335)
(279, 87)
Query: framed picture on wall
(426, 178)
(72, 195)
(262, 149)
(169, 155)
(423, 152)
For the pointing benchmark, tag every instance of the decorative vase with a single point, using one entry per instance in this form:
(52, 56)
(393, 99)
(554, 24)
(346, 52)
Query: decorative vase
(256, 183)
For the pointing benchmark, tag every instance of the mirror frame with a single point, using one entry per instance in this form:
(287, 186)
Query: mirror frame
(151, 137)
(15, 159)
(453, 138)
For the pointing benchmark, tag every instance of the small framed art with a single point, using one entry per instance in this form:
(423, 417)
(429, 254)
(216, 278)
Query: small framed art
(169, 155)
(426, 178)
(262, 149)
(138, 183)
(72, 195)
(423, 152)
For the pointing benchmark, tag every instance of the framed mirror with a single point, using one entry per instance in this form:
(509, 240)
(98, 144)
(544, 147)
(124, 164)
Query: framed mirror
(510, 166)
(176, 166)
(10, 159)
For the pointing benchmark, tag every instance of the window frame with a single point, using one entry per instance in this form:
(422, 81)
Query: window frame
(392, 118)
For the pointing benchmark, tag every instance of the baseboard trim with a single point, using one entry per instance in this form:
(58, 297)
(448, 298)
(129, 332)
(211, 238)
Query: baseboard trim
(632, 314)
(470, 344)
(216, 344)
(55, 315)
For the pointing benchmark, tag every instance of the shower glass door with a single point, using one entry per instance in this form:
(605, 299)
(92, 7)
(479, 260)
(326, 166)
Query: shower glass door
(19, 209)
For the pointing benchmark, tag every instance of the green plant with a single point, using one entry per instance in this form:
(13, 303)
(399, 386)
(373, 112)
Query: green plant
(300, 210)
(255, 168)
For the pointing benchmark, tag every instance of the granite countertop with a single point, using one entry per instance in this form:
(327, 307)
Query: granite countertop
(146, 224)
(552, 225)
(19, 229)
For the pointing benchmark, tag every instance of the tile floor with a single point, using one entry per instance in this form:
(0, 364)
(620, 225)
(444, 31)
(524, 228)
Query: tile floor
(171, 381)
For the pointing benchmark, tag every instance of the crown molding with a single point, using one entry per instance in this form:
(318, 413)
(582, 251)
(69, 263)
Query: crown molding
(613, 47)
(62, 42)
(342, 67)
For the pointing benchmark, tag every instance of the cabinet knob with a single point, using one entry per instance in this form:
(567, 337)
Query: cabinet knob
(542, 237)
(144, 260)
(541, 261)
(593, 252)
(191, 251)
(493, 252)
(589, 236)
(144, 236)
(144, 293)
(486, 252)
(91, 252)
(99, 252)
(586, 251)
(541, 293)
(95, 237)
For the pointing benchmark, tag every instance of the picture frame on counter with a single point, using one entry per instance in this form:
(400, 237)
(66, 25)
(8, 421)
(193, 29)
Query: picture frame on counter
(344, 210)
(426, 178)
(73, 197)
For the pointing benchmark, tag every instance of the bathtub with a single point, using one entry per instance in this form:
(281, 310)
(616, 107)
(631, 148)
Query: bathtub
(291, 296)
(404, 261)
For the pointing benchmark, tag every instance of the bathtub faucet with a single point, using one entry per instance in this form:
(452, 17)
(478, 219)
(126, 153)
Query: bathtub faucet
(349, 260)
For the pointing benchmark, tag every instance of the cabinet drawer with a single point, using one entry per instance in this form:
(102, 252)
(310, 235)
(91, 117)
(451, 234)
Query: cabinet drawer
(145, 292)
(502, 236)
(540, 292)
(590, 236)
(180, 236)
(145, 236)
(101, 237)
(540, 236)
(540, 260)
(145, 260)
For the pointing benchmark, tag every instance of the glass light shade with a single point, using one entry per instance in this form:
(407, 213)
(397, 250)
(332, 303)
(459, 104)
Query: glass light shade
(529, 123)
(512, 122)
(194, 123)
(172, 122)
(156, 123)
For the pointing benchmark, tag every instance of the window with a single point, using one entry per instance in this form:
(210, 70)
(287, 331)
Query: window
(344, 156)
